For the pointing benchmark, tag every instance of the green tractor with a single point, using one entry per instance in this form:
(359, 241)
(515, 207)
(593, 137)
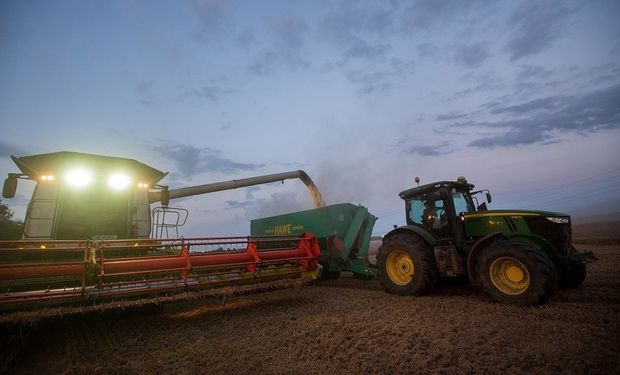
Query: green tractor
(516, 256)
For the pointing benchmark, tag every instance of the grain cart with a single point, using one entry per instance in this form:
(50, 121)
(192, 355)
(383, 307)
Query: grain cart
(343, 232)
(515, 256)
(88, 236)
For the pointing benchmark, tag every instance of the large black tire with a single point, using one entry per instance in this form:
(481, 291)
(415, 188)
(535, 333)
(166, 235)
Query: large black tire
(573, 276)
(328, 274)
(515, 272)
(406, 265)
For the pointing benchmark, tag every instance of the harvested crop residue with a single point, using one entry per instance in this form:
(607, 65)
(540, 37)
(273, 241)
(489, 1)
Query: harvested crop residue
(341, 326)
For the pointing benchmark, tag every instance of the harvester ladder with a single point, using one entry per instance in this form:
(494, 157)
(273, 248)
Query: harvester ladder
(167, 220)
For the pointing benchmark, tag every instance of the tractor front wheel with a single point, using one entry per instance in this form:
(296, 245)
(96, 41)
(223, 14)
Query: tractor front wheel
(515, 272)
(406, 266)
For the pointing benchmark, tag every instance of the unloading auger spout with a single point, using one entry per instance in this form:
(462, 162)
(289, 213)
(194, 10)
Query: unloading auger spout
(166, 195)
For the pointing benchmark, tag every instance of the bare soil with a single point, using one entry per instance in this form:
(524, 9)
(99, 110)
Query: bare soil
(340, 326)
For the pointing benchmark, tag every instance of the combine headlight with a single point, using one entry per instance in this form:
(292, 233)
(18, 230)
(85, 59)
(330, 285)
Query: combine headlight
(79, 178)
(559, 220)
(118, 181)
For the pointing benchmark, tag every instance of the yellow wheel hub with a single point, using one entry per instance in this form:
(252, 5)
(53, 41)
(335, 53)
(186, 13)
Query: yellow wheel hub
(509, 276)
(399, 267)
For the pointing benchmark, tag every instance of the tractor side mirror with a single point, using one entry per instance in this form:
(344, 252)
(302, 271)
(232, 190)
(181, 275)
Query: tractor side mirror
(489, 197)
(10, 186)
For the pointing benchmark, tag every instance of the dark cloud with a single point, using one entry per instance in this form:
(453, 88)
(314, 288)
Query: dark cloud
(472, 55)
(538, 121)
(367, 52)
(360, 29)
(430, 14)
(535, 25)
(451, 116)
(7, 150)
(552, 103)
(533, 72)
(427, 50)
(428, 150)
(265, 64)
(246, 38)
(144, 89)
(213, 18)
(380, 77)
(190, 160)
(277, 204)
(289, 32)
(483, 81)
(211, 92)
(289, 35)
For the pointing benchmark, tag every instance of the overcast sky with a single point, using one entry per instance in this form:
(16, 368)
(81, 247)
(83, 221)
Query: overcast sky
(522, 97)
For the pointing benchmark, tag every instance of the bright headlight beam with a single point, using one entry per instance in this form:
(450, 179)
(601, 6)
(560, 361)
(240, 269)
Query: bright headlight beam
(118, 181)
(558, 219)
(79, 177)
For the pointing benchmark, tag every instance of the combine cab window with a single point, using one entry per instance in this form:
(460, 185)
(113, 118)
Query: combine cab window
(81, 218)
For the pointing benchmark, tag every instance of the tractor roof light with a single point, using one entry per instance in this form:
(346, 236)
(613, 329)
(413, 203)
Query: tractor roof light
(47, 178)
(79, 178)
(143, 185)
(118, 181)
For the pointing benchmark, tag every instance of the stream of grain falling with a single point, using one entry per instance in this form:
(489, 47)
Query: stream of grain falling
(317, 198)
(315, 194)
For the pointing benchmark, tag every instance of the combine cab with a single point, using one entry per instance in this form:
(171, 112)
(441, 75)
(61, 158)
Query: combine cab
(89, 236)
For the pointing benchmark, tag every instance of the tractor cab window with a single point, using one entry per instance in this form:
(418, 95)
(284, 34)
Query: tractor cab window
(461, 203)
(428, 210)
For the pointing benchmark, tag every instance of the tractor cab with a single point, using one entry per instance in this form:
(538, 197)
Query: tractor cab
(437, 208)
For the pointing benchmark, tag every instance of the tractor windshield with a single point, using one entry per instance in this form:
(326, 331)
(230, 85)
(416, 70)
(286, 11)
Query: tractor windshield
(462, 202)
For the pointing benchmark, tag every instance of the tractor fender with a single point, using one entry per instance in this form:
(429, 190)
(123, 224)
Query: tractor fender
(416, 230)
(480, 245)
(539, 243)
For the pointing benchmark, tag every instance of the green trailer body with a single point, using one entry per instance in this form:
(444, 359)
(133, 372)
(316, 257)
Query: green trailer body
(343, 232)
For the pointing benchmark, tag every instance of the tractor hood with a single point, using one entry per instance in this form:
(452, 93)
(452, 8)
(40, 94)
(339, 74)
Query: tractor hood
(491, 213)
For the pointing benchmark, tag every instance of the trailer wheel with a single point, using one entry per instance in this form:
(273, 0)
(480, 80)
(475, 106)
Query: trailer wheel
(406, 266)
(573, 276)
(515, 272)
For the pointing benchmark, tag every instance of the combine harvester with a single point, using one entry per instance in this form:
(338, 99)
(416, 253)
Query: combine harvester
(90, 236)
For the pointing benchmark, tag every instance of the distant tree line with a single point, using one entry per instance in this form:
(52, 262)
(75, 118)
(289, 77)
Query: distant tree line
(9, 229)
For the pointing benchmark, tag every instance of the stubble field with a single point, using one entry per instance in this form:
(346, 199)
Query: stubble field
(343, 326)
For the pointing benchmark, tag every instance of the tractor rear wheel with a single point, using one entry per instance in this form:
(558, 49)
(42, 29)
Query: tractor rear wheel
(573, 276)
(515, 272)
(406, 266)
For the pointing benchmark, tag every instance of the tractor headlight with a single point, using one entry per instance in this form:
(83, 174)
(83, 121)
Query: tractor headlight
(79, 178)
(118, 181)
(559, 220)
